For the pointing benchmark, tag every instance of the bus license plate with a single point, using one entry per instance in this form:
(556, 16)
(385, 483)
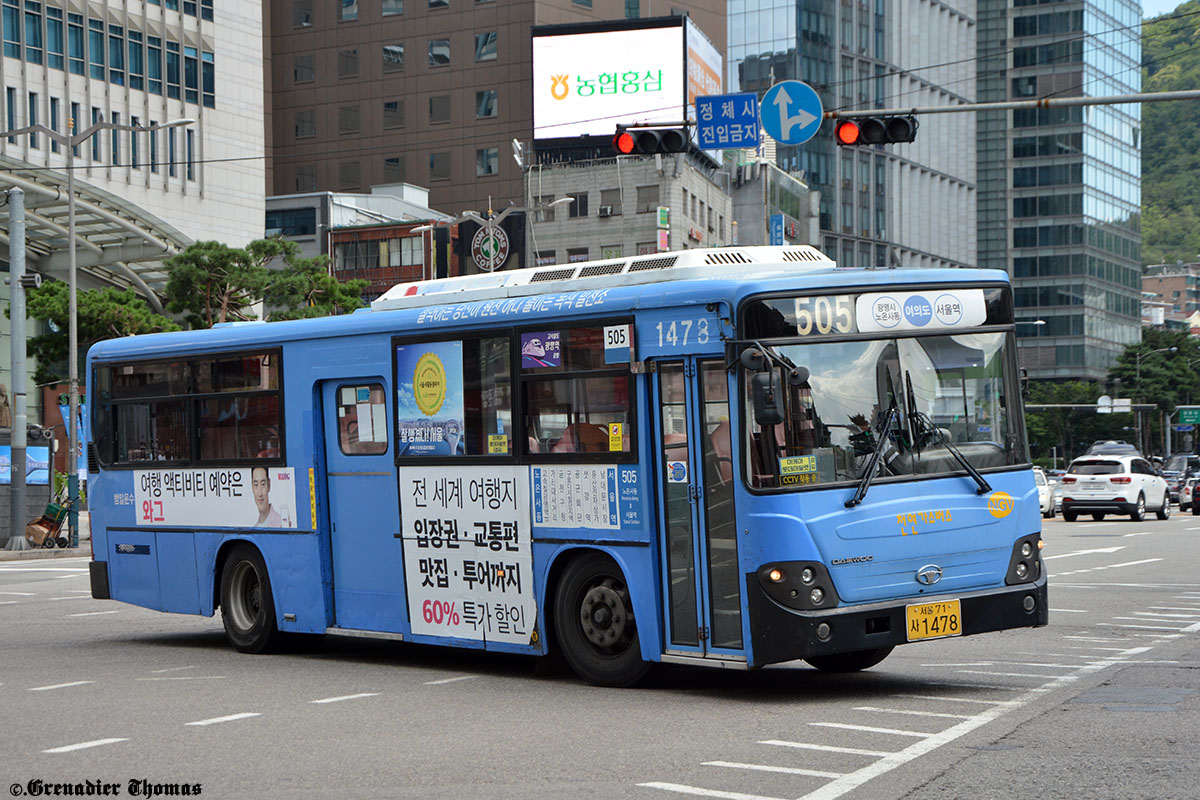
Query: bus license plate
(933, 620)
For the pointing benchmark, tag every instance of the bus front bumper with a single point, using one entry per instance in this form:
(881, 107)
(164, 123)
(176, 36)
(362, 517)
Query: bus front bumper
(784, 634)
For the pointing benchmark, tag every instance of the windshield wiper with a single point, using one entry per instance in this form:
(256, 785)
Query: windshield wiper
(873, 464)
(984, 486)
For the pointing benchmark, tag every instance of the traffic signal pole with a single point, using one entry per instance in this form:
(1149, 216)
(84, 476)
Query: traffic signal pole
(1044, 102)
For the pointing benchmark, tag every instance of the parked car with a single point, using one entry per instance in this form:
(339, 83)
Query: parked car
(1114, 484)
(1045, 493)
(1176, 470)
(1058, 495)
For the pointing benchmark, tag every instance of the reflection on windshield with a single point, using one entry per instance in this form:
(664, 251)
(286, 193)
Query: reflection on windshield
(945, 389)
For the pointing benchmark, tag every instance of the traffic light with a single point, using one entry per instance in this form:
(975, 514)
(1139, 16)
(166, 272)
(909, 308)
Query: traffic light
(876, 130)
(648, 141)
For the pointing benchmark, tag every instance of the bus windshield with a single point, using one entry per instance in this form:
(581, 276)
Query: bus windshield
(947, 392)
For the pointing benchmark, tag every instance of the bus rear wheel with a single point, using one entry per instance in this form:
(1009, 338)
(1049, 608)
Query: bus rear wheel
(593, 618)
(850, 662)
(247, 604)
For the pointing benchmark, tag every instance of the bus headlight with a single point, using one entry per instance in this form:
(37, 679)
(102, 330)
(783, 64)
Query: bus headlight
(1025, 564)
(803, 586)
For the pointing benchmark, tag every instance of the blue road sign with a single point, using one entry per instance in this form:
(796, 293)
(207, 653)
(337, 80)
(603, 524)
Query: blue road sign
(791, 112)
(727, 120)
(1185, 428)
(777, 229)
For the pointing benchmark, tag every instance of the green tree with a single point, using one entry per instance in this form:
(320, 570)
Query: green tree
(305, 289)
(211, 282)
(102, 314)
(1070, 430)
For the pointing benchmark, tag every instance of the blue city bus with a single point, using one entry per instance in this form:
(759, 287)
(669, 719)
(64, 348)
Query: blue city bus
(730, 457)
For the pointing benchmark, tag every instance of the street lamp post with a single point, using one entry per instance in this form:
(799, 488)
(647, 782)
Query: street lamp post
(72, 140)
(1138, 414)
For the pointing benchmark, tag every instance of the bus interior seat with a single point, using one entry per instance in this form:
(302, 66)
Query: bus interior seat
(582, 437)
(534, 445)
(722, 450)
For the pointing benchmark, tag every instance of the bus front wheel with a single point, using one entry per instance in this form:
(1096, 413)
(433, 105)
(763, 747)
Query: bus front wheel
(593, 617)
(247, 605)
(850, 662)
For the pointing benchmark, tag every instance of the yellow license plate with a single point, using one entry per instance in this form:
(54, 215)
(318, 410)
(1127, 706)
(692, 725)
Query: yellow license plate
(933, 620)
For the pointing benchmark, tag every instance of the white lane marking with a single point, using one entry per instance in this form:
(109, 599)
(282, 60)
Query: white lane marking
(1192, 628)
(1192, 529)
(939, 715)
(828, 748)
(1106, 566)
(345, 697)
(186, 678)
(20, 594)
(93, 613)
(58, 686)
(73, 597)
(767, 768)
(80, 591)
(1007, 674)
(1143, 533)
(1084, 552)
(229, 718)
(1176, 608)
(41, 569)
(1168, 616)
(1139, 627)
(9, 602)
(949, 699)
(1069, 610)
(83, 745)
(170, 669)
(1092, 638)
(696, 790)
(867, 729)
(451, 680)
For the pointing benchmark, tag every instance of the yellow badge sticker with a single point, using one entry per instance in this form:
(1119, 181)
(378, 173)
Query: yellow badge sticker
(1000, 504)
(616, 441)
(497, 443)
(312, 496)
(795, 465)
(429, 384)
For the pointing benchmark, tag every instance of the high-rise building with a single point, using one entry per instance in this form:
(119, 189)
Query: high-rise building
(895, 205)
(429, 92)
(144, 62)
(1060, 188)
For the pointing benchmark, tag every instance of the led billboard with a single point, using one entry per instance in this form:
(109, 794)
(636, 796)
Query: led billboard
(589, 78)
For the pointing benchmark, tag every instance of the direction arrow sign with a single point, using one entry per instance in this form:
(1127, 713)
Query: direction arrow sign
(791, 112)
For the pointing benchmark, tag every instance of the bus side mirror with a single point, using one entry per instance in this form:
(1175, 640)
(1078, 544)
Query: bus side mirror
(768, 406)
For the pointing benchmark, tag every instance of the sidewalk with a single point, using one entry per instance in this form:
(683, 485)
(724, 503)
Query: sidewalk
(84, 549)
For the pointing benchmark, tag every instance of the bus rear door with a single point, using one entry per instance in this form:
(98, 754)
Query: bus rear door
(364, 515)
(700, 574)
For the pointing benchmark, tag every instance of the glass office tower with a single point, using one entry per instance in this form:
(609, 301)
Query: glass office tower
(1060, 188)
(897, 205)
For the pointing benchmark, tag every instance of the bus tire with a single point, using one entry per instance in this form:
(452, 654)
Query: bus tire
(850, 662)
(593, 620)
(247, 604)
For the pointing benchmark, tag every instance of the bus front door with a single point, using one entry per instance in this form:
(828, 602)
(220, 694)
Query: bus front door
(700, 574)
(364, 512)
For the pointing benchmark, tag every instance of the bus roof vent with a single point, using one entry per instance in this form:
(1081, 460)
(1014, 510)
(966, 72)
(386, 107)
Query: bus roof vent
(558, 274)
(662, 262)
(801, 254)
(726, 257)
(606, 268)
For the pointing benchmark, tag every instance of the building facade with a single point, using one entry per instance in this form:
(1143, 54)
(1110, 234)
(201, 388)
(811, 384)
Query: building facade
(146, 62)
(614, 212)
(900, 205)
(1060, 188)
(1172, 291)
(431, 92)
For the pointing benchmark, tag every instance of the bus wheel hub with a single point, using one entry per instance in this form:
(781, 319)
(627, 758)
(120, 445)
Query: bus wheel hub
(603, 616)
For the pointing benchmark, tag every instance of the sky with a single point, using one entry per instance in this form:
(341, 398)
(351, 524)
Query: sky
(1153, 8)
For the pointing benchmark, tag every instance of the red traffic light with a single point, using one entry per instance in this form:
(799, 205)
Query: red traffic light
(848, 132)
(623, 142)
(877, 130)
(649, 141)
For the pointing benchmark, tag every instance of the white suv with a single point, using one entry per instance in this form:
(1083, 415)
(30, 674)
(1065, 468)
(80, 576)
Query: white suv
(1045, 493)
(1114, 484)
